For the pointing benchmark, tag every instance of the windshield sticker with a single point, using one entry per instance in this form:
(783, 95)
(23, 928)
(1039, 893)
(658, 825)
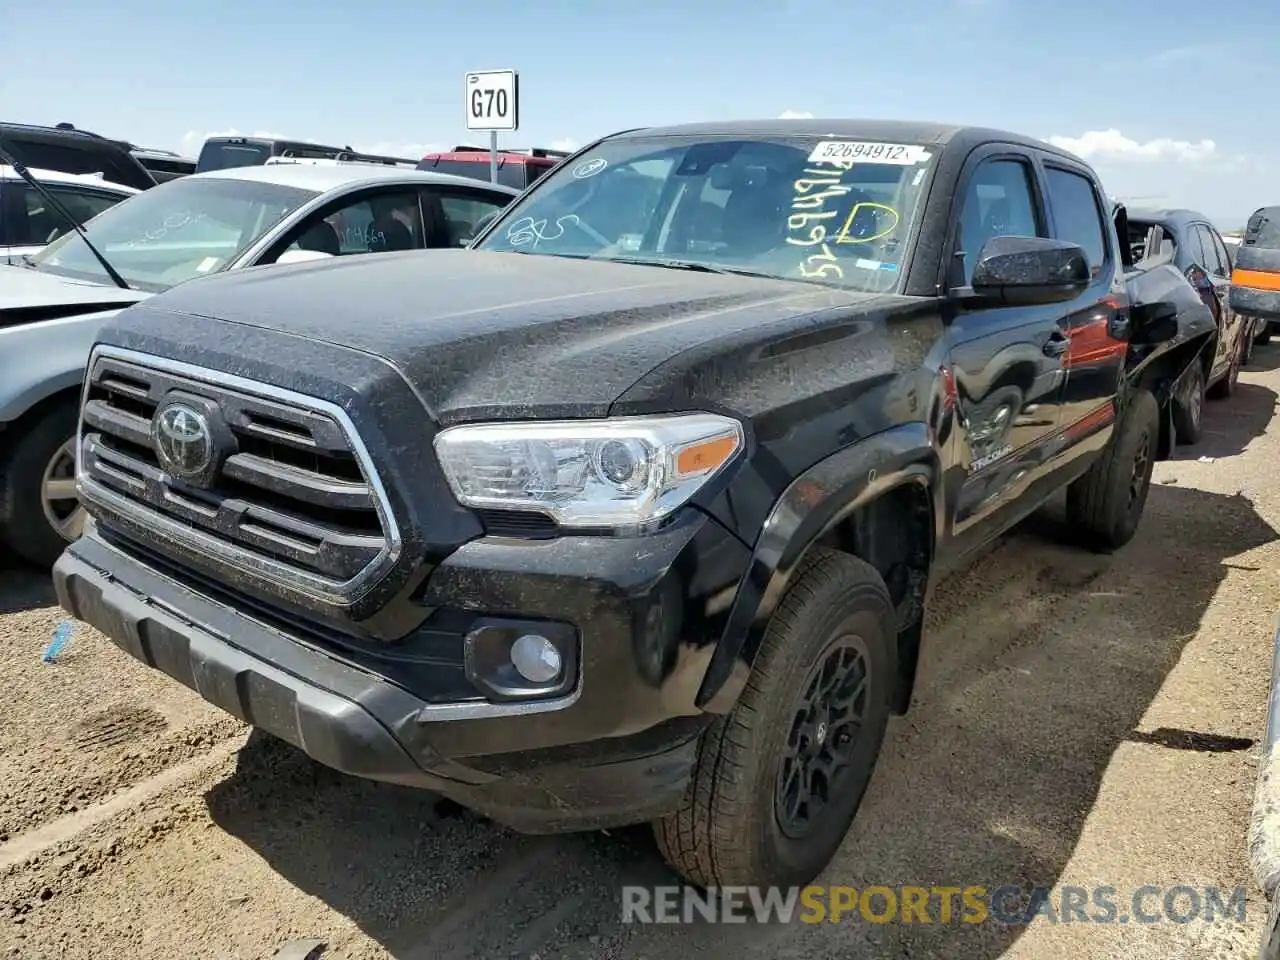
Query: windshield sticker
(898, 154)
(630, 242)
(915, 181)
(810, 217)
(589, 168)
(207, 264)
(527, 230)
(867, 264)
(876, 215)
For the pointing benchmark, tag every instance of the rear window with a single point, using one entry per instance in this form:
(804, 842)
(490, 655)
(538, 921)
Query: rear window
(116, 166)
(225, 156)
(1263, 229)
(517, 175)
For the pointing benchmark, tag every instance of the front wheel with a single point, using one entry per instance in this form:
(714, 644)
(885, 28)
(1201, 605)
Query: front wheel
(38, 485)
(779, 779)
(1105, 505)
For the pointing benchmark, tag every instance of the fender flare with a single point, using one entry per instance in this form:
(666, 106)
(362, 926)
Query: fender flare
(812, 505)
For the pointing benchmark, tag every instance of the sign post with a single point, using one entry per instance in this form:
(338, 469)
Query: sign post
(493, 104)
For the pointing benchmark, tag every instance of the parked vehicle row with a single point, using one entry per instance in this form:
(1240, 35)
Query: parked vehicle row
(53, 301)
(630, 510)
(1198, 250)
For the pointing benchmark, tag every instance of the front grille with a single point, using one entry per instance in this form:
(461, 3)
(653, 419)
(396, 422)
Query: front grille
(296, 502)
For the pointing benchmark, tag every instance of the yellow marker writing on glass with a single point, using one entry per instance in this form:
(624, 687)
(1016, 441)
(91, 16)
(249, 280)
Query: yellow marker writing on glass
(842, 235)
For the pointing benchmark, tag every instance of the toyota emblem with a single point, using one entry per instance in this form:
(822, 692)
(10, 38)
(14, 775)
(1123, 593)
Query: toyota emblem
(183, 440)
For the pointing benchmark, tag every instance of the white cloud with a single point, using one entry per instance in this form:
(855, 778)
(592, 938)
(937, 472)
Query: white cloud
(795, 115)
(1111, 145)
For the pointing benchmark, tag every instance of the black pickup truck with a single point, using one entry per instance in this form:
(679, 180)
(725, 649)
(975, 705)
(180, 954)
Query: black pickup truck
(629, 512)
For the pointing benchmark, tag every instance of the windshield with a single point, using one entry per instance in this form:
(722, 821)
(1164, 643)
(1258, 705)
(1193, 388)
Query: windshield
(175, 232)
(832, 211)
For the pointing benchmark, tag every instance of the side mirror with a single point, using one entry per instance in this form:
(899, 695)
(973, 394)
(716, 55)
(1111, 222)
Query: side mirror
(1155, 322)
(302, 256)
(482, 225)
(1028, 271)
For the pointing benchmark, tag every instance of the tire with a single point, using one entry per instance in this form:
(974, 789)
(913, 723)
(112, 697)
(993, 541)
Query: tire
(729, 829)
(47, 443)
(1105, 505)
(1246, 346)
(1263, 336)
(1188, 409)
(1227, 385)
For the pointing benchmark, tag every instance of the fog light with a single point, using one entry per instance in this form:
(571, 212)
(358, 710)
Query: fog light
(536, 658)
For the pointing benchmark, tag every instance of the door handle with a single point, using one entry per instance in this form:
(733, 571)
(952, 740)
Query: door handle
(1056, 345)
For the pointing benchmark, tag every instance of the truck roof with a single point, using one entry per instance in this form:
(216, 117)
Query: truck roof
(911, 131)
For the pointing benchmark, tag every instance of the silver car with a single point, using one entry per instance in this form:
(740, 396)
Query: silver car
(53, 302)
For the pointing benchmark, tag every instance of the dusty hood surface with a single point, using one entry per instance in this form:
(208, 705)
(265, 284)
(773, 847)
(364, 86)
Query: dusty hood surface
(476, 333)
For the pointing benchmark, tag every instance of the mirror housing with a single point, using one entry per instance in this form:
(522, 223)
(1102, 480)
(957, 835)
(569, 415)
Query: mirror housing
(482, 225)
(1155, 322)
(1030, 271)
(303, 256)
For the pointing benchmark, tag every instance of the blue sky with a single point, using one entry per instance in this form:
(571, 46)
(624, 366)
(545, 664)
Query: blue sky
(1155, 94)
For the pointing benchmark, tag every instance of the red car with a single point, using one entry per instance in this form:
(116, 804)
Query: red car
(516, 168)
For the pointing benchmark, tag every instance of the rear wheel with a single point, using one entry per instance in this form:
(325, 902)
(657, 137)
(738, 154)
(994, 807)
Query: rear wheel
(1105, 505)
(38, 487)
(778, 780)
(1264, 334)
(1188, 407)
(1227, 385)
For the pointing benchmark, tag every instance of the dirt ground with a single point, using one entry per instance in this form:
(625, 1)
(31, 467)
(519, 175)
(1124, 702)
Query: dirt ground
(1081, 721)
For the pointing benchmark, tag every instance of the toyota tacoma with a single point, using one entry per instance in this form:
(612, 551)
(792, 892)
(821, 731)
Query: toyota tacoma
(630, 511)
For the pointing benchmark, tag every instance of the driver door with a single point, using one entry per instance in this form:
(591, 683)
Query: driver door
(1008, 363)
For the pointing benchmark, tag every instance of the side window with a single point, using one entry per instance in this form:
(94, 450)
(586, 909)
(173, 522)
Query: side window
(999, 201)
(45, 224)
(1077, 214)
(1201, 249)
(377, 223)
(1215, 252)
(459, 215)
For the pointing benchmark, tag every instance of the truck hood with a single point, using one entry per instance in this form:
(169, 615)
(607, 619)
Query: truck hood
(28, 295)
(479, 334)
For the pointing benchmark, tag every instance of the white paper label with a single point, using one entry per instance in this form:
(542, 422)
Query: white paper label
(897, 154)
(207, 264)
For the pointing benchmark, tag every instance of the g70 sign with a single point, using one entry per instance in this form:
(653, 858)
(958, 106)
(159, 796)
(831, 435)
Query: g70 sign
(493, 100)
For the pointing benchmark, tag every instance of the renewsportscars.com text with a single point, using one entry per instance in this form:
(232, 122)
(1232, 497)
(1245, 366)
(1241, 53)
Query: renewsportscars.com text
(933, 905)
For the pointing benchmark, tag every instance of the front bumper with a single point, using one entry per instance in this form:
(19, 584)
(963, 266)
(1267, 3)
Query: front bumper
(618, 749)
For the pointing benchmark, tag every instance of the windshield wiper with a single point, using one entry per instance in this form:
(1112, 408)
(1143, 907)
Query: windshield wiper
(21, 170)
(695, 266)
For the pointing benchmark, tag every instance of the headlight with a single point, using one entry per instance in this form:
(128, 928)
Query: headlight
(619, 472)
